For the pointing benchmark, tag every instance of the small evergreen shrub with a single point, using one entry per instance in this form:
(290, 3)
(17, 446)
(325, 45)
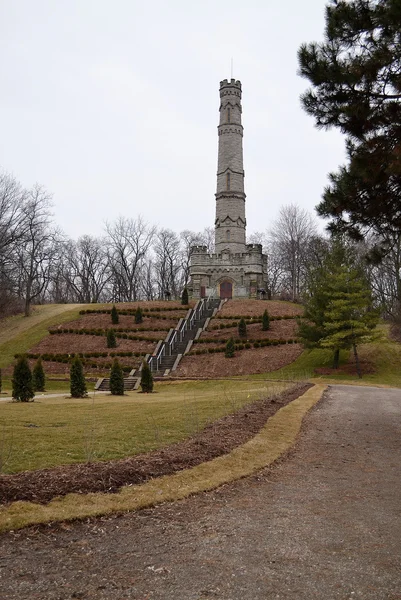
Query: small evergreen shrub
(138, 315)
(184, 297)
(230, 348)
(22, 381)
(114, 316)
(116, 379)
(111, 339)
(38, 376)
(77, 379)
(242, 328)
(265, 321)
(146, 378)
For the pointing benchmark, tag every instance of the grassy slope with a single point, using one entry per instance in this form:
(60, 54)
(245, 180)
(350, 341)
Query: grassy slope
(53, 431)
(20, 333)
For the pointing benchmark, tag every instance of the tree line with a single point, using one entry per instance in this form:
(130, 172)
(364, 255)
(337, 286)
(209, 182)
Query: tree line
(134, 260)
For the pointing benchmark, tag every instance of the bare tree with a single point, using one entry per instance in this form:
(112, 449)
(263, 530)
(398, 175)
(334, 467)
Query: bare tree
(87, 269)
(128, 242)
(168, 263)
(290, 237)
(36, 251)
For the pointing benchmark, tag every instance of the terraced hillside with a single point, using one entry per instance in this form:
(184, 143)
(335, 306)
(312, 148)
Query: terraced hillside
(258, 352)
(86, 336)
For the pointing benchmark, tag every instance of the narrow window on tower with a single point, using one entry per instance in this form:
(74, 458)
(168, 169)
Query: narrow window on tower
(228, 115)
(228, 181)
(228, 235)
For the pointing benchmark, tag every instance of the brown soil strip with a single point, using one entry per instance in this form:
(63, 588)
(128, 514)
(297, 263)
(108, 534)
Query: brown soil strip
(216, 439)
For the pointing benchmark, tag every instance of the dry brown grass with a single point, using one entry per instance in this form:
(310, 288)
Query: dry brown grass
(277, 437)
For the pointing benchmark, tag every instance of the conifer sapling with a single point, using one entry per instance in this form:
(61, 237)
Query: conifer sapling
(38, 376)
(230, 348)
(184, 297)
(22, 381)
(146, 378)
(111, 339)
(77, 379)
(242, 328)
(265, 321)
(138, 315)
(116, 379)
(114, 316)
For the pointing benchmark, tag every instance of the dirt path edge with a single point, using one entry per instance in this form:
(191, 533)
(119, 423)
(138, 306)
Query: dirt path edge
(276, 438)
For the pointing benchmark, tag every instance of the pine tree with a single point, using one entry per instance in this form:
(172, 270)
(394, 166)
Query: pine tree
(184, 297)
(338, 309)
(22, 381)
(114, 316)
(138, 315)
(230, 348)
(355, 81)
(242, 328)
(116, 379)
(111, 339)
(38, 376)
(265, 321)
(349, 319)
(146, 378)
(77, 379)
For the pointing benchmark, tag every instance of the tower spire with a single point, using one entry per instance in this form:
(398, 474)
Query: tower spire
(230, 220)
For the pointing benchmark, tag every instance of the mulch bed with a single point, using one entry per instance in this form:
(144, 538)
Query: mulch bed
(71, 343)
(216, 439)
(278, 329)
(102, 321)
(245, 362)
(256, 308)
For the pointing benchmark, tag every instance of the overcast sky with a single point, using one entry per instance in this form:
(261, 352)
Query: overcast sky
(113, 107)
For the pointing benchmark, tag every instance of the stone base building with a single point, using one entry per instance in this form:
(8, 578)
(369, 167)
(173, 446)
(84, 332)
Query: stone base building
(237, 269)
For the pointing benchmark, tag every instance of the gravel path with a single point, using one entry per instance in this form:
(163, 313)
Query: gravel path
(323, 524)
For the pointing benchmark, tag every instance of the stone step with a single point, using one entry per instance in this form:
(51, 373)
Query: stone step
(104, 385)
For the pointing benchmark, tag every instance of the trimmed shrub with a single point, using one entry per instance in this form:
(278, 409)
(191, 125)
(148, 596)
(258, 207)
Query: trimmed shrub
(22, 381)
(111, 339)
(230, 348)
(38, 376)
(114, 316)
(242, 328)
(265, 321)
(77, 379)
(138, 315)
(116, 379)
(146, 378)
(184, 297)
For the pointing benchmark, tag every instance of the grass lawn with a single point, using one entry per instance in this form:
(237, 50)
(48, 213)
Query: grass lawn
(384, 356)
(55, 431)
(20, 333)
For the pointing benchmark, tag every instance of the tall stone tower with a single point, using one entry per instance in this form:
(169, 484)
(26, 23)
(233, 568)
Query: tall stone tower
(237, 269)
(230, 197)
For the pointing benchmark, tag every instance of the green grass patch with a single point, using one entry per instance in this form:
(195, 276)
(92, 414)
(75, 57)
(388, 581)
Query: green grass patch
(24, 332)
(56, 431)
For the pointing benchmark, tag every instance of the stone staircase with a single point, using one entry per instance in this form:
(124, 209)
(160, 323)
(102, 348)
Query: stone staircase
(103, 384)
(169, 352)
(178, 341)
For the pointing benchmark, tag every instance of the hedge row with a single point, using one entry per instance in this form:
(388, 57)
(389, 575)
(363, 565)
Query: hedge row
(67, 357)
(130, 311)
(265, 341)
(245, 346)
(249, 319)
(99, 331)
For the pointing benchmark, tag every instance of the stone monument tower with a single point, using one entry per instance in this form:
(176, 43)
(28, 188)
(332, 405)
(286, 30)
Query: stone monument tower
(236, 269)
(230, 196)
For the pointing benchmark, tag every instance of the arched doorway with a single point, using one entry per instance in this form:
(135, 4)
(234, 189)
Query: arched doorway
(226, 289)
